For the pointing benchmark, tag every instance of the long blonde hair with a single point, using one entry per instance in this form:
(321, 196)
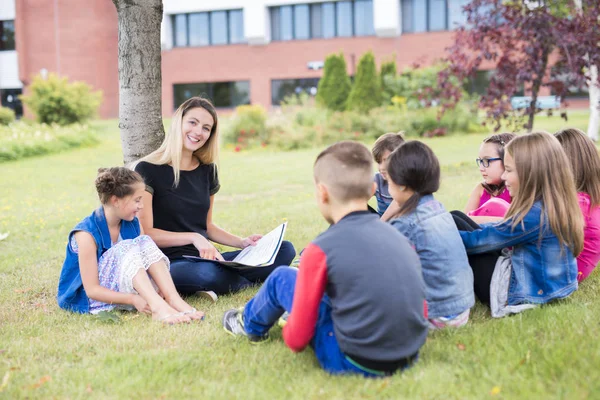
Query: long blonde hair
(585, 161)
(170, 150)
(544, 173)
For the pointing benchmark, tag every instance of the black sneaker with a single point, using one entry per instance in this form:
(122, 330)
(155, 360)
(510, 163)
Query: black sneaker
(233, 324)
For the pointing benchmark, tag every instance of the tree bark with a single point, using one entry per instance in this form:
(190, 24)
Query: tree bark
(140, 112)
(535, 89)
(594, 91)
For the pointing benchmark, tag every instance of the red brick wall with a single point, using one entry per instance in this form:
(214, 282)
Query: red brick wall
(81, 45)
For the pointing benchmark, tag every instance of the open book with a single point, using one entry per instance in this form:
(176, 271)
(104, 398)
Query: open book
(261, 255)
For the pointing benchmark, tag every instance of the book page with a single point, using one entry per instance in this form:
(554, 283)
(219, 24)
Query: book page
(265, 250)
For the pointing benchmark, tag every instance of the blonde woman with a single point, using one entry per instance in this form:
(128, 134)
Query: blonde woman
(543, 226)
(181, 183)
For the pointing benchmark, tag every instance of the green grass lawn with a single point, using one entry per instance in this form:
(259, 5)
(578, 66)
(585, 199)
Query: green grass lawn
(550, 352)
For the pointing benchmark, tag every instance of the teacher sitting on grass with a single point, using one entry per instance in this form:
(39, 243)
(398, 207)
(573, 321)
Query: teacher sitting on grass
(181, 182)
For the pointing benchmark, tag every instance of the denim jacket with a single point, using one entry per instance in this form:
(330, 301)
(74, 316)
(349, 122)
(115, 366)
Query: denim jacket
(71, 294)
(542, 269)
(446, 271)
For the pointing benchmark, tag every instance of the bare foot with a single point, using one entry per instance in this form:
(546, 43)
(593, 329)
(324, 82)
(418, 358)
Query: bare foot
(180, 305)
(170, 316)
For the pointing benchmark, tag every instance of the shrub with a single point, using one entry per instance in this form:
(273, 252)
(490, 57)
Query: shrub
(21, 139)
(334, 87)
(56, 101)
(7, 115)
(388, 71)
(366, 91)
(247, 127)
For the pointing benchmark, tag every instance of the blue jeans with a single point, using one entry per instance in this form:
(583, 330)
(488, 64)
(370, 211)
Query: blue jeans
(277, 296)
(191, 276)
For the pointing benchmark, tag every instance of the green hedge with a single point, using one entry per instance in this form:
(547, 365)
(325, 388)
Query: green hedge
(7, 115)
(20, 140)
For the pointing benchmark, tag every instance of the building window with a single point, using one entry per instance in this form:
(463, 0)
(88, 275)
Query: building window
(430, 15)
(282, 88)
(479, 83)
(322, 20)
(10, 98)
(7, 35)
(222, 94)
(208, 28)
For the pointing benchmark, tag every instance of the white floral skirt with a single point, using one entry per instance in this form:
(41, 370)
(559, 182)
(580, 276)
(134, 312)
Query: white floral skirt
(119, 264)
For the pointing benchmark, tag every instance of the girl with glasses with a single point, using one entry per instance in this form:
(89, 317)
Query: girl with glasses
(490, 200)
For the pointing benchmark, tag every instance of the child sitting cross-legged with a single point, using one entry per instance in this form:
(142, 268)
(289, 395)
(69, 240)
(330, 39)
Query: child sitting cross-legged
(358, 296)
(414, 176)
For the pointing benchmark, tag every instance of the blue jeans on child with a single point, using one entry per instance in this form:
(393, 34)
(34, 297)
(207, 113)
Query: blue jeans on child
(191, 276)
(274, 298)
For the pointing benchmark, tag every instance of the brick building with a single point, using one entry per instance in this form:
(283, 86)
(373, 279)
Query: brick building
(234, 51)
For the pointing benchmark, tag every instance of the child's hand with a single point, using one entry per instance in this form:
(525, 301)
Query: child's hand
(250, 241)
(206, 249)
(140, 304)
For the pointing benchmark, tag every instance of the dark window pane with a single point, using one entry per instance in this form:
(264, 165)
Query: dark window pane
(363, 18)
(275, 23)
(218, 27)
(199, 29)
(221, 94)
(344, 18)
(328, 20)
(240, 93)
(182, 92)
(282, 88)
(419, 16)
(236, 26)
(301, 22)
(286, 23)
(316, 21)
(437, 15)
(407, 16)
(7, 35)
(180, 30)
(10, 98)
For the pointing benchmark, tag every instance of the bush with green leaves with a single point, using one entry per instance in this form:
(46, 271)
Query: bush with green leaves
(389, 70)
(22, 139)
(247, 127)
(7, 115)
(334, 87)
(55, 100)
(366, 90)
(416, 87)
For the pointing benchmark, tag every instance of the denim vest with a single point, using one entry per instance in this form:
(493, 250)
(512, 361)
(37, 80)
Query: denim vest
(446, 271)
(71, 295)
(542, 269)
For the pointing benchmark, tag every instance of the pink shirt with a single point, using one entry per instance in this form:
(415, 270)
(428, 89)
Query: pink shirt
(504, 195)
(590, 256)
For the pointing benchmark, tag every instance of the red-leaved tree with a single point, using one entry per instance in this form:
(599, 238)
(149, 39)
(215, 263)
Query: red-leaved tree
(522, 39)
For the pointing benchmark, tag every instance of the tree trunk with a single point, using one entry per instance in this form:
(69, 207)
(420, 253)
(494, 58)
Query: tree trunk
(140, 113)
(535, 89)
(594, 90)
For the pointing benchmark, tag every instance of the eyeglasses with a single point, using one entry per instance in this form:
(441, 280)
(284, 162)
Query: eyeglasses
(485, 162)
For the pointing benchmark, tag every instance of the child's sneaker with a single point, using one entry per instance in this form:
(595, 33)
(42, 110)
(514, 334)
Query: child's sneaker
(283, 319)
(233, 323)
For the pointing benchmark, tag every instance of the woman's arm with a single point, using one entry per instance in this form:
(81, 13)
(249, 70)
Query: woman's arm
(220, 235)
(88, 267)
(474, 197)
(164, 238)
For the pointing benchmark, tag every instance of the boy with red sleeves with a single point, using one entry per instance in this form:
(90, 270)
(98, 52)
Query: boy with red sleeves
(358, 296)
